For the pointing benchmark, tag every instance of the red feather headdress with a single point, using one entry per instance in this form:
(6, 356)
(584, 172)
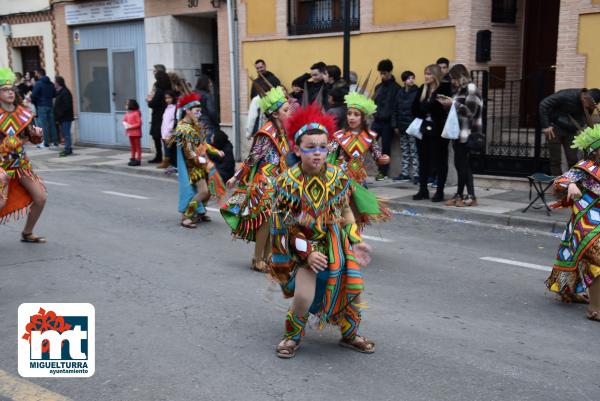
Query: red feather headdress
(190, 100)
(309, 118)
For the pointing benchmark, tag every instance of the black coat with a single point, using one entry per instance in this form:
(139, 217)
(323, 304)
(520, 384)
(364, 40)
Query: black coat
(226, 165)
(385, 99)
(63, 106)
(558, 108)
(403, 114)
(430, 107)
(158, 106)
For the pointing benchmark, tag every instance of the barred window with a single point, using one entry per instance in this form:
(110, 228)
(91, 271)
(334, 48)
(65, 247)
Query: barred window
(504, 11)
(320, 16)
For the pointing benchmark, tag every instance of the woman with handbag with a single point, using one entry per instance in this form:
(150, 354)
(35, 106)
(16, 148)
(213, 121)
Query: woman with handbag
(468, 105)
(432, 148)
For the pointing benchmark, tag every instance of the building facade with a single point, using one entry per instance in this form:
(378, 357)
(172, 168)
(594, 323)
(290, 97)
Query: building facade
(519, 52)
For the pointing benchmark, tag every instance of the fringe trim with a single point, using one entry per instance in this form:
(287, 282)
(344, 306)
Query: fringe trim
(14, 216)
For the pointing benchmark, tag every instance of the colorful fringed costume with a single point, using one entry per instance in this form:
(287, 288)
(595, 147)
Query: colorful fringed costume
(15, 129)
(577, 262)
(250, 205)
(193, 164)
(313, 214)
(348, 150)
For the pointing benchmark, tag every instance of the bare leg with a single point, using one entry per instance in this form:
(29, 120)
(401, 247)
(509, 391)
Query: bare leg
(306, 281)
(3, 188)
(594, 292)
(38, 195)
(262, 247)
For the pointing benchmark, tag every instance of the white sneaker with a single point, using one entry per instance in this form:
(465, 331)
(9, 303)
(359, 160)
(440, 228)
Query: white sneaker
(42, 146)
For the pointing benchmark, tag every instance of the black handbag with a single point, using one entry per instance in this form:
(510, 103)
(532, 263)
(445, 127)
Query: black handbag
(427, 127)
(475, 143)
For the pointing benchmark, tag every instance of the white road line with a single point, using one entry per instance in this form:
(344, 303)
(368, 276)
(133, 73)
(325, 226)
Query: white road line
(213, 209)
(17, 389)
(60, 184)
(517, 263)
(380, 239)
(124, 195)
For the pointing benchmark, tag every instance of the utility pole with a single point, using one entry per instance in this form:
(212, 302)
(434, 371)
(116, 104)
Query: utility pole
(346, 4)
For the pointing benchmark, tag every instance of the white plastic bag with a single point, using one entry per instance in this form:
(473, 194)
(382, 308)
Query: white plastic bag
(451, 127)
(414, 129)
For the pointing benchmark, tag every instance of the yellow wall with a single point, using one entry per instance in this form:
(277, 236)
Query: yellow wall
(408, 50)
(589, 32)
(261, 17)
(595, 1)
(393, 12)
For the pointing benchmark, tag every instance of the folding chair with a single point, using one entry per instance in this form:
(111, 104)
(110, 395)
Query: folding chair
(541, 182)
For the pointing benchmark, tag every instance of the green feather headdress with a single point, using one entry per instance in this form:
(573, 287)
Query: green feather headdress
(272, 100)
(361, 102)
(588, 139)
(7, 77)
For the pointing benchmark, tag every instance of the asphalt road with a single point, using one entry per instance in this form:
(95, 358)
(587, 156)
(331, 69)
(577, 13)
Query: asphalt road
(180, 316)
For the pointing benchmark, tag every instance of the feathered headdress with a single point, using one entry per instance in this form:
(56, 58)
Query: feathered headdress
(361, 102)
(309, 118)
(588, 139)
(272, 100)
(186, 102)
(7, 77)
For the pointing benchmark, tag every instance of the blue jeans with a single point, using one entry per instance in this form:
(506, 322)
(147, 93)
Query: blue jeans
(65, 129)
(46, 119)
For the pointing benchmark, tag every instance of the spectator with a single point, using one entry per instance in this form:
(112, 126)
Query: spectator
(385, 98)
(22, 87)
(402, 118)
(337, 107)
(209, 116)
(156, 102)
(353, 84)
(63, 113)
(444, 65)
(166, 130)
(132, 121)
(316, 84)
(159, 67)
(468, 103)
(42, 97)
(226, 164)
(266, 79)
(562, 114)
(298, 86)
(178, 85)
(432, 149)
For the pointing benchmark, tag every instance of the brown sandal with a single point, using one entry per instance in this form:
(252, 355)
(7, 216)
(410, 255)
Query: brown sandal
(259, 265)
(365, 345)
(287, 351)
(593, 315)
(32, 238)
(204, 218)
(188, 223)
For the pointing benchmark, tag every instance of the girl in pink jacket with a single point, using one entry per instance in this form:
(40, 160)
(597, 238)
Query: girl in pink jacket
(133, 129)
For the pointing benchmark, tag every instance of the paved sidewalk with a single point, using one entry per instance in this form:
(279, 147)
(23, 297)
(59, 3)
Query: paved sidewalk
(496, 206)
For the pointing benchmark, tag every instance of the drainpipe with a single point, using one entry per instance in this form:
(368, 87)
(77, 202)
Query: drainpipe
(235, 81)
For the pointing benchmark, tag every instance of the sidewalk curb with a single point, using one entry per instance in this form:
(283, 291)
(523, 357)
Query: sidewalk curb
(472, 215)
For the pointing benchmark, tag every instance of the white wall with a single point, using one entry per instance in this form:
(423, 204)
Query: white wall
(25, 30)
(182, 44)
(17, 6)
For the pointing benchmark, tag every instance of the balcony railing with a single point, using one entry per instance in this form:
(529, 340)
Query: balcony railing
(307, 17)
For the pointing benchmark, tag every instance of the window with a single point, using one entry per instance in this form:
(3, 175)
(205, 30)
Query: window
(93, 81)
(320, 16)
(504, 11)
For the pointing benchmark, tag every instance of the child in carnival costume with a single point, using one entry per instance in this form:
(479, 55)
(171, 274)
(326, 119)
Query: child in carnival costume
(317, 250)
(348, 150)
(577, 264)
(20, 188)
(198, 179)
(247, 211)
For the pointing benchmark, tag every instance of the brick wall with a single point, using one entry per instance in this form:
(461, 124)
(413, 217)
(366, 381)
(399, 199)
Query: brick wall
(570, 65)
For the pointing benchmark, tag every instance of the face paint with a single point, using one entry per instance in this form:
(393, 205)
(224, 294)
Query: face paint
(308, 151)
(197, 113)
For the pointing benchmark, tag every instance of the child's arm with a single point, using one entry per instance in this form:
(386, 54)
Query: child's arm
(136, 121)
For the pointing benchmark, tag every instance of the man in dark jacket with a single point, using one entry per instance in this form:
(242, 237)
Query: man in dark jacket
(316, 84)
(63, 113)
(562, 114)
(385, 99)
(401, 119)
(337, 107)
(266, 79)
(42, 96)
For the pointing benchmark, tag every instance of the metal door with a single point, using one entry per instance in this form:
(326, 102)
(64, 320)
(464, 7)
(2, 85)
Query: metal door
(123, 89)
